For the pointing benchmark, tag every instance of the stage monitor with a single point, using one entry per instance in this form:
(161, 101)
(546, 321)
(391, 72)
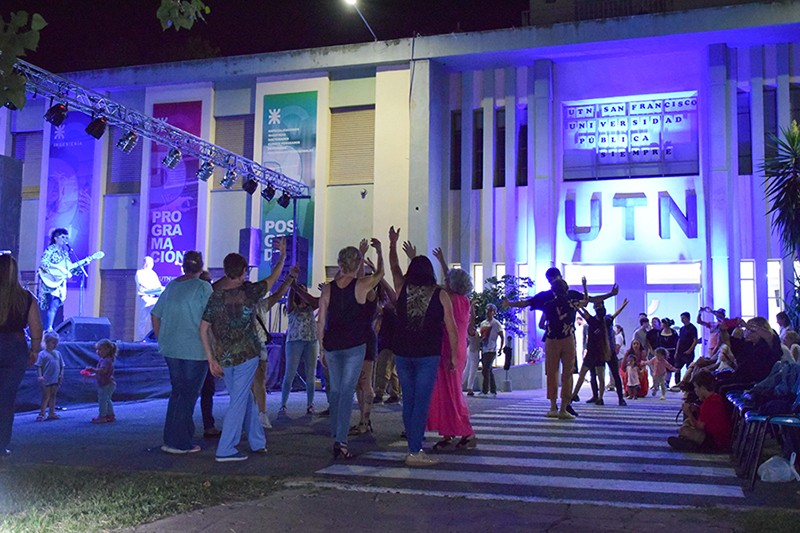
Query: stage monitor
(84, 329)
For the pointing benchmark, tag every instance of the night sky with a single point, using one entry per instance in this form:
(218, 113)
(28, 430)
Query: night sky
(93, 34)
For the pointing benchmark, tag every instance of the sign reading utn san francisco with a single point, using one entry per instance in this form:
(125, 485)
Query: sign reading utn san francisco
(631, 136)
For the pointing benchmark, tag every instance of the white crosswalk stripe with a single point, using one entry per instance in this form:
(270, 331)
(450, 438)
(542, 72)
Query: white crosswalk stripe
(609, 455)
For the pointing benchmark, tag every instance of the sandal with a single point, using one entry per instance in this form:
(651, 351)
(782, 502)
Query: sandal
(340, 451)
(469, 442)
(443, 443)
(40, 418)
(54, 417)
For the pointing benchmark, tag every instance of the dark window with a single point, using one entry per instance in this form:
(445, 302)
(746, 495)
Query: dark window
(500, 147)
(455, 151)
(477, 149)
(743, 133)
(522, 146)
(770, 121)
(794, 101)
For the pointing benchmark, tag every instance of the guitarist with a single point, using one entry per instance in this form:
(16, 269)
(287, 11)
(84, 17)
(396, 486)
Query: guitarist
(55, 268)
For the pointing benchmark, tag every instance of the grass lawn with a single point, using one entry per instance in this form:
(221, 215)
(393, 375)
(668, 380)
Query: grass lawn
(59, 498)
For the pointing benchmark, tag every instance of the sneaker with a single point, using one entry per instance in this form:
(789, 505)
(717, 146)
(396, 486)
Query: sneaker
(564, 415)
(260, 451)
(392, 399)
(264, 419)
(571, 411)
(494, 395)
(599, 402)
(622, 402)
(675, 389)
(420, 459)
(591, 400)
(238, 456)
(179, 451)
(551, 414)
(663, 397)
(310, 409)
(100, 420)
(470, 393)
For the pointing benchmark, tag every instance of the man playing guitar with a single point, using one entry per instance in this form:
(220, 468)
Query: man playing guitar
(55, 268)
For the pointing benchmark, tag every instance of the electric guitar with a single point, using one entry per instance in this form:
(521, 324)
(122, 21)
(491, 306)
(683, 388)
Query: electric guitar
(54, 277)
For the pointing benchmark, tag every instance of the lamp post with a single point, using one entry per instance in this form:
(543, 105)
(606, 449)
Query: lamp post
(354, 3)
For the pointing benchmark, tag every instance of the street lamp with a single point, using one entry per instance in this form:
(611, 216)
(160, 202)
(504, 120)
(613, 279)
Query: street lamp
(354, 3)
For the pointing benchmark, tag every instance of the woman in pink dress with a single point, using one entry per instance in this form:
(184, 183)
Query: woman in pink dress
(448, 413)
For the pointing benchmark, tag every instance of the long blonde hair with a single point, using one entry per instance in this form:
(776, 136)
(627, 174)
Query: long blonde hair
(12, 295)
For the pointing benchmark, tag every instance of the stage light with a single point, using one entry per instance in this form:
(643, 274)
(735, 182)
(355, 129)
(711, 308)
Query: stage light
(172, 159)
(205, 171)
(229, 179)
(56, 114)
(128, 142)
(249, 184)
(284, 200)
(268, 192)
(97, 127)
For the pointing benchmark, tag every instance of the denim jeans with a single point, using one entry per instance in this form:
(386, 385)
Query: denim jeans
(104, 394)
(186, 377)
(344, 367)
(487, 370)
(241, 408)
(417, 376)
(295, 351)
(207, 400)
(13, 361)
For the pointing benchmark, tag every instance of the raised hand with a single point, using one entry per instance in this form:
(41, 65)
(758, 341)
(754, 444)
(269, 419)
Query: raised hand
(394, 235)
(281, 244)
(294, 272)
(363, 246)
(438, 254)
(409, 249)
(376, 244)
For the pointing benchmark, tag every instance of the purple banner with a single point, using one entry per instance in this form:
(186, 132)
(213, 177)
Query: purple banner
(69, 184)
(172, 213)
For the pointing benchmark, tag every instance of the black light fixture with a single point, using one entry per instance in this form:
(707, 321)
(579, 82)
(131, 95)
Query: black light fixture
(97, 127)
(249, 184)
(229, 179)
(128, 142)
(56, 114)
(268, 192)
(284, 200)
(205, 171)
(172, 159)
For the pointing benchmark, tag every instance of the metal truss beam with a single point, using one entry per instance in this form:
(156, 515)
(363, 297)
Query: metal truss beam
(94, 104)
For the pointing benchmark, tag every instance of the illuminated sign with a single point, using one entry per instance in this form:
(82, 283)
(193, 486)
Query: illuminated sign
(632, 221)
(632, 136)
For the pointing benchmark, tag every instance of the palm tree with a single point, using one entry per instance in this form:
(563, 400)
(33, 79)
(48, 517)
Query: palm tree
(782, 180)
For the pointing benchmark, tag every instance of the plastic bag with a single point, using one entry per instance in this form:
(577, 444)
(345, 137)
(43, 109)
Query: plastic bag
(778, 469)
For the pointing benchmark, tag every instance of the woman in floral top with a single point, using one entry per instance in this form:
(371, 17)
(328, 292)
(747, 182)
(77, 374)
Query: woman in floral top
(229, 315)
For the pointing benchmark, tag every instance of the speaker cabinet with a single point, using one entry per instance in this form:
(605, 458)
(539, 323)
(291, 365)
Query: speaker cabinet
(84, 329)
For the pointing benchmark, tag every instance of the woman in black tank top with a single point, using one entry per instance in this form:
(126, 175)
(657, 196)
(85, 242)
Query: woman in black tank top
(424, 314)
(341, 328)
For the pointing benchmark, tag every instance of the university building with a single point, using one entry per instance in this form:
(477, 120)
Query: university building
(623, 149)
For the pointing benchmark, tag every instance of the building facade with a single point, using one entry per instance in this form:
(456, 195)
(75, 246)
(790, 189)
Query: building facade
(626, 150)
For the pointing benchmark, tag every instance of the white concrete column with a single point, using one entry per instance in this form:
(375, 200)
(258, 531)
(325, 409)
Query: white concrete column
(487, 191)
(511, 203)
(468, 225)
(761, 226)
(542, 188)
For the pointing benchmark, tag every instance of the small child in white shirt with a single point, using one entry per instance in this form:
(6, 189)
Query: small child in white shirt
(50, 370)
(633, 377)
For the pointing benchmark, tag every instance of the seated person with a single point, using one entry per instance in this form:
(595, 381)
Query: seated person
(709, 428)
(755, 352)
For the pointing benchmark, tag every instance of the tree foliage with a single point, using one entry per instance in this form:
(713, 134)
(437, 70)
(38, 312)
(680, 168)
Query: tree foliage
(17, 36)
(181, 13)
(494, 292)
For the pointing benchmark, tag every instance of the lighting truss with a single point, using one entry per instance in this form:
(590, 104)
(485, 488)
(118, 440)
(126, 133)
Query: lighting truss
(77, 98)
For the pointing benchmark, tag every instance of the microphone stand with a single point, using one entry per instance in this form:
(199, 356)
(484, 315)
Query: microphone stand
(82, 285)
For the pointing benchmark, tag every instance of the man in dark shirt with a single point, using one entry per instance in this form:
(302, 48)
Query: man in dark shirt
(559, 305)
(687, 341)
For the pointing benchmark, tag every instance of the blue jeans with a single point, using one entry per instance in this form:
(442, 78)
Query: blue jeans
(186, 377)
(344, 367)
(417, 376)
(13, 361)
(295, 351)
(242, 408)
(104, 394)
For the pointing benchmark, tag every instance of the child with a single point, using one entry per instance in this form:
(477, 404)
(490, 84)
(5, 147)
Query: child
(104, 372)
(633, 377)
(710, 429)
(50, 368)
(659, 367)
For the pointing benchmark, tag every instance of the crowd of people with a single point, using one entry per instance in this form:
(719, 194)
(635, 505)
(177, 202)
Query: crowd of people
(416, 339)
